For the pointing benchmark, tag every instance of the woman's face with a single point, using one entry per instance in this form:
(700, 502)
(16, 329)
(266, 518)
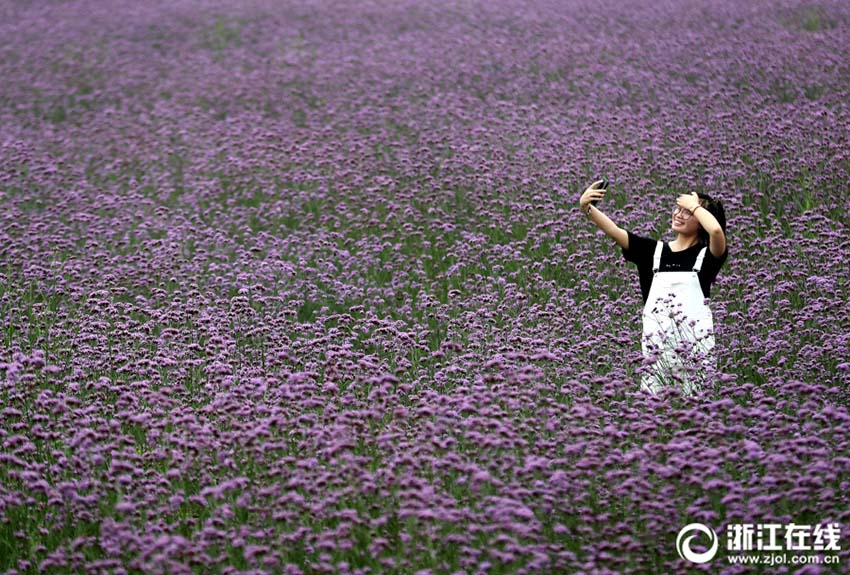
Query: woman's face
(684, 222)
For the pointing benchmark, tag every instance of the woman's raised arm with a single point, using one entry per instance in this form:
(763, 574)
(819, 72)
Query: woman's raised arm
(603, 222)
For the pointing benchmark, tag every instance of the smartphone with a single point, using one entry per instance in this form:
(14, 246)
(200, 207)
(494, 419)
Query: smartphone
(602, 186)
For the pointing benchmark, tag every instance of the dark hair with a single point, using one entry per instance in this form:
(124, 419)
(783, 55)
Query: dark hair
(715, 207)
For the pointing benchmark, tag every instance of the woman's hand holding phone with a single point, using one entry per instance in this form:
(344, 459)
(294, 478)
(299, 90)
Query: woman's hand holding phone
(593, 194)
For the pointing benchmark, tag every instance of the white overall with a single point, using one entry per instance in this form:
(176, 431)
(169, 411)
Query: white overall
(678, 329)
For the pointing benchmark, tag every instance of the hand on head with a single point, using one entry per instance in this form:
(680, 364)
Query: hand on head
(688, 202)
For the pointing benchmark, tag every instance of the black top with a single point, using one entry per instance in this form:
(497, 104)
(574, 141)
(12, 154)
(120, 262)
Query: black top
(641, 250)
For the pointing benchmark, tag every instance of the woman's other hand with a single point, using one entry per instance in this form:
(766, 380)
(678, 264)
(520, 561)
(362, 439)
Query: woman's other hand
(688, 202)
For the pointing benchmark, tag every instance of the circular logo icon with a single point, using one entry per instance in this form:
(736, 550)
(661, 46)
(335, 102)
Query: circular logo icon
(683, 543)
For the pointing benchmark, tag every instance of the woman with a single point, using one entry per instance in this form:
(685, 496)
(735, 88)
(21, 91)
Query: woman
(675, 280)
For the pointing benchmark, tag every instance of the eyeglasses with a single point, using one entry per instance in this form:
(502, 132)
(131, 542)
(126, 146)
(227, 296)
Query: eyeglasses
(685, 214)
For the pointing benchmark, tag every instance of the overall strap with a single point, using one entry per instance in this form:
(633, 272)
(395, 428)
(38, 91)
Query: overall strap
(656, 259)
(698, 263)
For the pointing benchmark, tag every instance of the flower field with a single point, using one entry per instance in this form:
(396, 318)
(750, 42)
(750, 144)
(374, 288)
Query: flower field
(303, 287)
